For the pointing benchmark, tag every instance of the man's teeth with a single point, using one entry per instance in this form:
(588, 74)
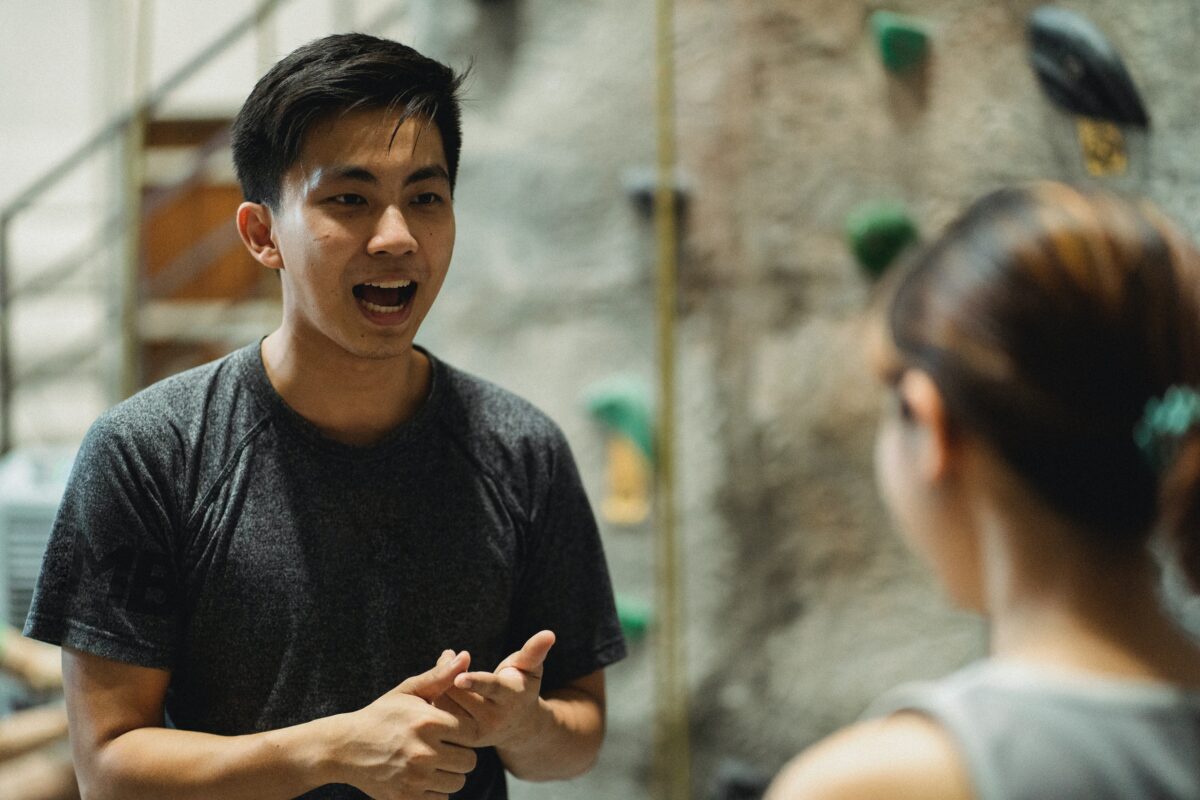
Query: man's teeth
(381, 309)
(390, 284)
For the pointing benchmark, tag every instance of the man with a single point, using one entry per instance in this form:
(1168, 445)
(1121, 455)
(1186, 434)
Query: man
(330, 563)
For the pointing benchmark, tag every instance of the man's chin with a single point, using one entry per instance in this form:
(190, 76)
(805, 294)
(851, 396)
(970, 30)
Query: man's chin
(389, 351)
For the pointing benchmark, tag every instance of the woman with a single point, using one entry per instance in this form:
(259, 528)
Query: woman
(1043, 360)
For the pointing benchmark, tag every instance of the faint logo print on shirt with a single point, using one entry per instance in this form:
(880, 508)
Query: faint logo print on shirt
(138, 580)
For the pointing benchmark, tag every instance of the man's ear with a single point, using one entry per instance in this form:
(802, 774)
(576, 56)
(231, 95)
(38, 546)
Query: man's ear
(254, 224)
(927, 409)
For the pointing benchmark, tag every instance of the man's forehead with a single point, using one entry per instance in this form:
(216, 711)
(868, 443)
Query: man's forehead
(371, 136)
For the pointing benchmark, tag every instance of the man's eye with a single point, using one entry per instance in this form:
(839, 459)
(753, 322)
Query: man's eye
(427, 199)
(348, 199)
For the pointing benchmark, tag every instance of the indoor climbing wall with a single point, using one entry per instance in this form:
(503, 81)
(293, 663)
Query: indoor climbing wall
(816, 138)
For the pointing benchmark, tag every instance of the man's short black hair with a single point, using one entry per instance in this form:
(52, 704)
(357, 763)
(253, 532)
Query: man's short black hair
(331, 76)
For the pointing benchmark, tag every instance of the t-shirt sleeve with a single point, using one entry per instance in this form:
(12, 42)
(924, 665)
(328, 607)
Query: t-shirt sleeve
(564, 584)
(108, 585)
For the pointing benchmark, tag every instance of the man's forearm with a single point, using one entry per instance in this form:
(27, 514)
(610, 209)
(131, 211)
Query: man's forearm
(165, 763)
(566, 741)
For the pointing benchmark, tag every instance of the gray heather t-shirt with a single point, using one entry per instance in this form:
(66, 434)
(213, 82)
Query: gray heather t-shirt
(209, 530)
(1026, 733)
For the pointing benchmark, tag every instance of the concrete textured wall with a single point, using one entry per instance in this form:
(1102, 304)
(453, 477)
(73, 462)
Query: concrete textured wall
(802, 605)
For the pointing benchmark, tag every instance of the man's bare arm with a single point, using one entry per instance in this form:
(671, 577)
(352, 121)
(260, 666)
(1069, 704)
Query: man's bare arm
(539, 738)
(397, 748)
(569, 735)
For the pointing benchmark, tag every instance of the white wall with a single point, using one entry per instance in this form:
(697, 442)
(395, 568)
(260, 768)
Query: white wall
(67, 69)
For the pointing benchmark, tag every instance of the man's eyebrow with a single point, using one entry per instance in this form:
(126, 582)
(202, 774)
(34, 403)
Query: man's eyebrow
(356, 173)
(425, 173)
(350, 172)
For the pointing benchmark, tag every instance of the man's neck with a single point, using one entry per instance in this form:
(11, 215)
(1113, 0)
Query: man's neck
(350, 399)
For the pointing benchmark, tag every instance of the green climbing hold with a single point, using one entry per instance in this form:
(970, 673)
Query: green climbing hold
(634, 616)
(903, 42)
(878, 232)
(623, 404)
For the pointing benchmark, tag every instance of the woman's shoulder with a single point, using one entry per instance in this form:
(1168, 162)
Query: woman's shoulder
(901, 756)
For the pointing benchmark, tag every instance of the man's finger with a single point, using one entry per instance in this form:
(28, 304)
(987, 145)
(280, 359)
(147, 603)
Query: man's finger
(532, 654)
(492, 685)
(431, 684)
(461, 702)
(464, 700)
(456, 758)
(462, 729)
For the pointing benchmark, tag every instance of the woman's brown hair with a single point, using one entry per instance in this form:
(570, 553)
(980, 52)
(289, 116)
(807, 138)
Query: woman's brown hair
(1048, 317)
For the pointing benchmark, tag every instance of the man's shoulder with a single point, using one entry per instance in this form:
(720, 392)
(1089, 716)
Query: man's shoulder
(512, 441)
(174, 408)
(500, 416)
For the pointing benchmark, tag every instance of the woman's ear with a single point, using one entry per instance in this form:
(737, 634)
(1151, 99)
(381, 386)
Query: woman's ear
(926, 412)
(254, 224)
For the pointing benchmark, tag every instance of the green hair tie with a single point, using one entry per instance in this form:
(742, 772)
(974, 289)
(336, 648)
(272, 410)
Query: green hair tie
(1164, 423)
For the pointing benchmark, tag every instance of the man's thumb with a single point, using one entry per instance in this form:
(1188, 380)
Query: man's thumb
(430, 685)
(533, 654)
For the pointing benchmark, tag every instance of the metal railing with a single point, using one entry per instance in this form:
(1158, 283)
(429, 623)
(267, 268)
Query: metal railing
(115, 130)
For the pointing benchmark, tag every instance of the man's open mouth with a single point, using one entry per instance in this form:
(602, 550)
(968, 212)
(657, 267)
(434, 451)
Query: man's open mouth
(385, 297)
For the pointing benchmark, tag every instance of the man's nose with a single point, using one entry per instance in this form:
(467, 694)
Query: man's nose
(392, 236)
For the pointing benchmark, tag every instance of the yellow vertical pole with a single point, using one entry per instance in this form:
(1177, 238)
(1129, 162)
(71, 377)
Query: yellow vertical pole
(670, 678)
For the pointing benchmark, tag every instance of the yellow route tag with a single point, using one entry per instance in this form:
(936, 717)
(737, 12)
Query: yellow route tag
(628, 500)
(1103, 147)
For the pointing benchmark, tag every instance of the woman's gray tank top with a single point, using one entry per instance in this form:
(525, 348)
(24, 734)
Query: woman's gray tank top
(1027, 733)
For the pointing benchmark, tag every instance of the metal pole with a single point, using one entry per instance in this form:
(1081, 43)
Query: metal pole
(142, 104)
(135, 134)
(6, 371)
(264, 39)
(345, 15)
(672, 730)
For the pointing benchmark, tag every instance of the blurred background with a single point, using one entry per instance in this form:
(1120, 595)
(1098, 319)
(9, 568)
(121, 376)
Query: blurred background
(815, 139)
